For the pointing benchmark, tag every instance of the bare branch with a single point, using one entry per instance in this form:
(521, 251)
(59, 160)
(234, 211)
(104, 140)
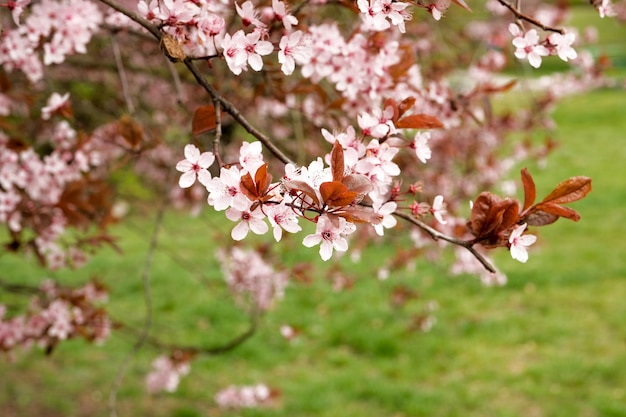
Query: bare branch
(436, 235)
(235, 113)
(145, 331)
(122, 74)
(521, 16)
(135, 17)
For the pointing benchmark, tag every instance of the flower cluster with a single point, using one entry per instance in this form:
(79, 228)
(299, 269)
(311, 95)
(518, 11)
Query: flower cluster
(166, 373)
(530, 47)
(244, 396)
(251, 279)
(55, 315)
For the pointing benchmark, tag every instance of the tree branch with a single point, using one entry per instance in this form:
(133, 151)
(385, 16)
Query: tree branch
(235, 113)
(521, 16)
(135, 17)
(436, 235)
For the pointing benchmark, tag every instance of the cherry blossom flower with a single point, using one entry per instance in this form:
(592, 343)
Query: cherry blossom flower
(563, 45)
(224, 191)
(241, 50)
(55, 102)
(329, 234)
(386, 210)
(250, 156)
(438, 209)
(243, 396)
(280, 13)
(293, 48)
(420, 144)
(166, 374)
(250, 221)
(251, 279)
(282, 217)
(194, 165)
(249, 15)
(528, 45)
(17, 8)
(518, 243)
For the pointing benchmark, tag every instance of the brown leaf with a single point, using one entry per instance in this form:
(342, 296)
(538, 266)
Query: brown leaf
(558, 210)
(419, 121)
(570, 190)
(491, 89)
(262, 180)
(247, 187)
(204, 119)
(405, 105)
(360, 214)
(256, 189)
(540, 218)
(336, 161)
(301, 186)
(530, 192)
(359, 184)
(336, 194)
(130, 130)
(492, 214)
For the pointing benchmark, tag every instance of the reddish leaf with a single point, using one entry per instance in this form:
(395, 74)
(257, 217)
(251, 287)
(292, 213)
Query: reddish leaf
(247, 187)
(336, 161)
(540, 218)
(491, 215)
(336, 194)
(358, 183)
(301, 186)
(557, 210)
(360, 214)
(256, 189)
(572, 189)
(491, 89)
(405, 105)
(419, 121)
(530, 192)
(130, 130)
(407, 60)
(203, 119)
(262, 180)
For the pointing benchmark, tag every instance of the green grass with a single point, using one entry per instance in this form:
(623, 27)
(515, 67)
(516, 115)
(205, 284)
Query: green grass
(550, 343)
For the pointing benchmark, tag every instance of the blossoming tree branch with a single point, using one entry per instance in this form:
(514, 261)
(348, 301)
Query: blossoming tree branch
(349, 116)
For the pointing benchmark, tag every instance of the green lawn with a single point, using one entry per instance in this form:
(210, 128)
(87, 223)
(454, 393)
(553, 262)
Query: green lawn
(550, 343)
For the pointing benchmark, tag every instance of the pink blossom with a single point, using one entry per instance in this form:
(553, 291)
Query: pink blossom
(55, 102)
(563, 45)
(293, 48)
(281, 13)
(194, 165)
(329, 234)
(420, 144)
(224, 191)
(243, 396)
(518, 243)
(166, 374)
(282, 217)
(528, 45)
(249, 15)
(250, 156)
(242, 50)
(438, 209)
(249, 221)
(386, 210)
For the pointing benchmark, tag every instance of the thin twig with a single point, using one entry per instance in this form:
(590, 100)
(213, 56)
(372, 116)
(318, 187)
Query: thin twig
(135, 17)
(122, 74)
(435, 234)
(235, 113)
(145, 331)
(521, 16)
(178, 86)
(218, 131)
